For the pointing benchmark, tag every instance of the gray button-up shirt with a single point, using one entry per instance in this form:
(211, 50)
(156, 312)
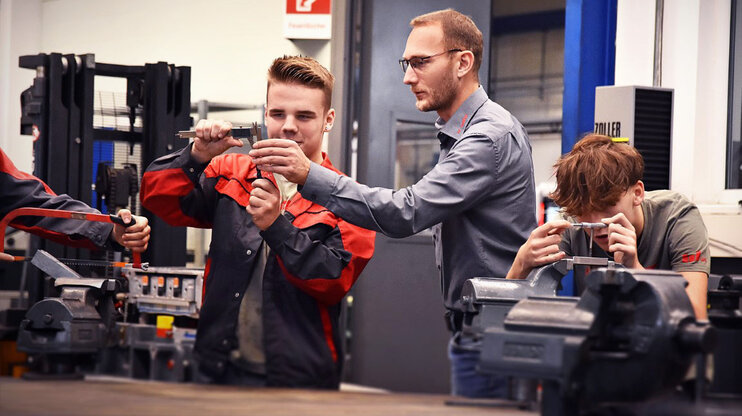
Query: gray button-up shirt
(479, 198)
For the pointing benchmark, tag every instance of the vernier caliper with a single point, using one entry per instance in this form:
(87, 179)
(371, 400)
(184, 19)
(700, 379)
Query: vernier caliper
(246, 134)
(250, 134)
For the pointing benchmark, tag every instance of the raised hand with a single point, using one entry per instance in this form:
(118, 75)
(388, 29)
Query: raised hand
(542, 247)
(265, 203)
(622, 241)
(212, 139)
(134, 237)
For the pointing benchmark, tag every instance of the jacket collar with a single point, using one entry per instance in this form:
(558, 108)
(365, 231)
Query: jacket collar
(456, 125)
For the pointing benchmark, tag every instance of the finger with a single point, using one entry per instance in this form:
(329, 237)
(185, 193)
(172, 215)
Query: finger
(258, 194)
(200, 126)
(252, 210)
(286, 171)
(618, 257)
(136, 244)
(224, 129)
(5, 257)
(545, 251)
(263, 184)
(551, 258)
(125, 215)
(619, 218)
(282, 143)
(558, 226)
(139, 235)
(135, 228)
(136, 236)
(205, 133)
(234, 142)
(257, 202)
(216, 130)
(553, 239)
(621, 252)
(260, 189)
(553, 227)
(275, 160)
(265, 187)
(541, 230)
(621, 229)
(271, 151)
(616, 238)
(140, 224)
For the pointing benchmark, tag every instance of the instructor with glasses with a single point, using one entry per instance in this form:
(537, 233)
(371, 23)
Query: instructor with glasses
(479, 198)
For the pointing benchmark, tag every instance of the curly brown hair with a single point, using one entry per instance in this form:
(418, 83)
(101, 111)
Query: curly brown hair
(302, 70)
(593, 176)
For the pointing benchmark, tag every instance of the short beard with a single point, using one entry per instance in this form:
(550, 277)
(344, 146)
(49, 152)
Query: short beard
(440, 97)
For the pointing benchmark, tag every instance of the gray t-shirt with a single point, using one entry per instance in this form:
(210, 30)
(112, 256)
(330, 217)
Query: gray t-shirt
(674, 237)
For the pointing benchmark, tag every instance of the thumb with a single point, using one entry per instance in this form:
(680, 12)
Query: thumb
(5, 257)
(618, 257)
(234, 142)
(125, 215)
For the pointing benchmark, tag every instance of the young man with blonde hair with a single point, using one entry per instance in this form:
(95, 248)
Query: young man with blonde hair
(479, 198)
(600, 181)
(279, 265)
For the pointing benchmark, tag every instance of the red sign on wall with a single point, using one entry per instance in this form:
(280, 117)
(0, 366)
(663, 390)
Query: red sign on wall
(308, 6)
(307, 19)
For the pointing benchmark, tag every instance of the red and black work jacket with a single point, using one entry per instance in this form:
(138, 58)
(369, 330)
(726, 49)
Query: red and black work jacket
(315, 257)
(19, 189)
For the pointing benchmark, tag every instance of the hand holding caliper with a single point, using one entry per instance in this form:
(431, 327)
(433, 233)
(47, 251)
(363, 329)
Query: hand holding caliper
(212, 138)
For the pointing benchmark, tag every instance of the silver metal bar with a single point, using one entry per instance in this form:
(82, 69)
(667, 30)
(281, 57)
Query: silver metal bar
(592, 226)
(590, 248)
(589, 225)
(658, 23)
(51, 266)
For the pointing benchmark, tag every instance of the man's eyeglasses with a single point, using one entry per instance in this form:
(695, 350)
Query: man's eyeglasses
(418, 61)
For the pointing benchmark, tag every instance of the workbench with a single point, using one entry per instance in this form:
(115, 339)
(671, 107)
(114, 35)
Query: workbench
(102, 397)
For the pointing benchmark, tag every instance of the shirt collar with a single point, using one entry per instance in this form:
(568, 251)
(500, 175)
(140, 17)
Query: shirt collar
(455, 126)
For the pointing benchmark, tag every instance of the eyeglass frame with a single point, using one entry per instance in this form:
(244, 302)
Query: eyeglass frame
(406, 63)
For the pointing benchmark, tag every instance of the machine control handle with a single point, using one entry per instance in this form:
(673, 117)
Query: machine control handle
(698, 336)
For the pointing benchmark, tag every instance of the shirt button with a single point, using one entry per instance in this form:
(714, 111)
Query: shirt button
(249, 252)
(225, 342)
(220, 364)
(190, 170)
(236, 295)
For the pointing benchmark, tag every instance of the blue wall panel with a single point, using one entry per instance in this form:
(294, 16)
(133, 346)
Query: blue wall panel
(589, 62)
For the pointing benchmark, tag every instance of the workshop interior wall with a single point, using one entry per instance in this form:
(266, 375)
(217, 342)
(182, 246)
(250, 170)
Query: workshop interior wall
(695, 59)
(229, 45)
(695, 63)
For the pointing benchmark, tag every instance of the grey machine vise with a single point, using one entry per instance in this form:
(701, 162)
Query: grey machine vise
(631, 336)
(60, 332)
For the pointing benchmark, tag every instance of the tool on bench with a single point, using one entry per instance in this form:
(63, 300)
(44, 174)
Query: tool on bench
(74, 215)
(98, 263)
(249, 134)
